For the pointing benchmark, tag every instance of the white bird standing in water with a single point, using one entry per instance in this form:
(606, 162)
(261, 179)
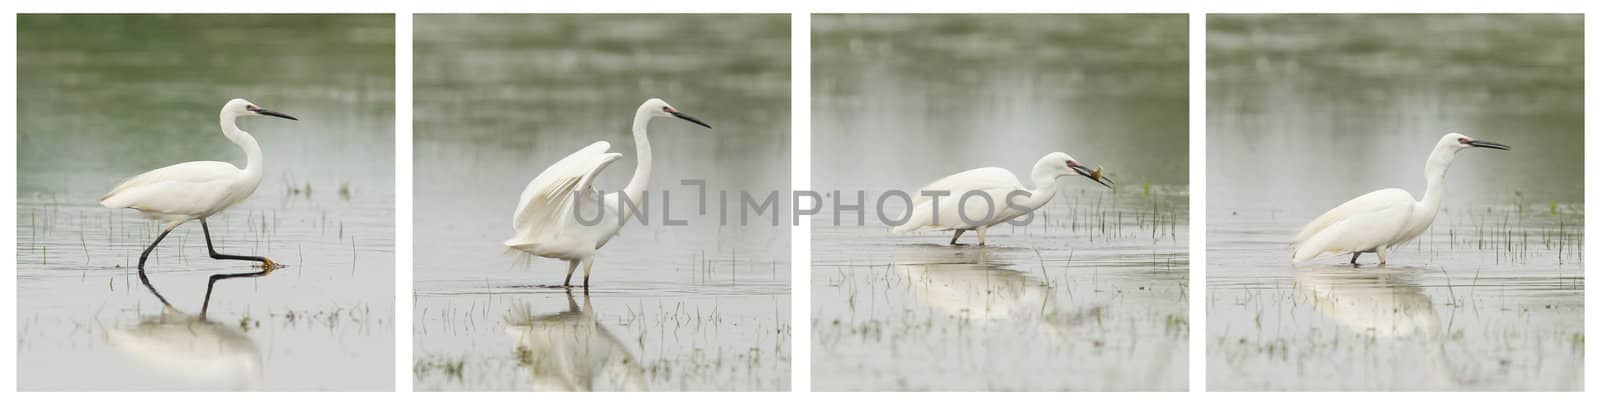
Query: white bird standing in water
(1384, 219)
(945, 213)
(545, 222)
(197, 189)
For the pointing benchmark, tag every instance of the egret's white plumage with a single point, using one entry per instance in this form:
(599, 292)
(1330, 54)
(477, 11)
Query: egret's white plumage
(1383, 219)
(546, 220)
(1007, 197)
(196, 190)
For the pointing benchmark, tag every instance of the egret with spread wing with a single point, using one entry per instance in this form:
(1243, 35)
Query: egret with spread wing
(1384, 219)
(945, 209)
(545, 221)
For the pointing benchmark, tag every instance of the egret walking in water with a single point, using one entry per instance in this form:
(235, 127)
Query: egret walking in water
(1384, 219)
(545, 222)
(197, 189)
(1000, 186)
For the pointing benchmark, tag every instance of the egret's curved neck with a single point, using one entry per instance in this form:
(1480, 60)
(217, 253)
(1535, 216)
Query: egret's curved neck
(1044, 186)
(1438, 164)
(252, 151)
(641, 143)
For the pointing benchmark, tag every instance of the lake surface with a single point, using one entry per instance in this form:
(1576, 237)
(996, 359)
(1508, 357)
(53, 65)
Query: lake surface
(102, 98)
(703, 306)
(1093, 295)
(1305, 112)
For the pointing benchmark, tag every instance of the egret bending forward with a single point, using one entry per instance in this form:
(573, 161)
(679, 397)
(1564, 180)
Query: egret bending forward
(1384, 219)
(545, 222)
(197, 189)
(998, 184)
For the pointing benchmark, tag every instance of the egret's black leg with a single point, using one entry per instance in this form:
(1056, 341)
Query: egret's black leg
(147, 250)
(1353, 257)
(146, 280)
(265, 262)
(572, 265)
(957, 236)
(213, 283)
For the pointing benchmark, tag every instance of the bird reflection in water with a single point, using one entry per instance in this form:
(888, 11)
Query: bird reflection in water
(1382, 303)
(569, 350)
(964, 284)
(191, 349)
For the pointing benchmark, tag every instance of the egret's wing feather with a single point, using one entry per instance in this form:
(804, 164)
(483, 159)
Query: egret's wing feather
(189, 187)
(584, 187)
(547, 203)
(961, 182)
(950, 212)
(1362, 227)
(573, 166)
(997, 182)
(1366, 203)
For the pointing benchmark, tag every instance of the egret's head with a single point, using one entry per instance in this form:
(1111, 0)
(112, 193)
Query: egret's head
(660, 108)
(1456, 142)
(241, 107)
(1060, 164)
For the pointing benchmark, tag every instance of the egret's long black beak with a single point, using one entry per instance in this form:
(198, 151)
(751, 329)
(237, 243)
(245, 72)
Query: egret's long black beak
(1488, 144)
(1092, 174)
(265, 112)
(690, 119)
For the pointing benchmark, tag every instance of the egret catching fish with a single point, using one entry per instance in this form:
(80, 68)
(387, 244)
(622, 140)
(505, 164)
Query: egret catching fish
(545, 222)
(198, 189)
(949, 212)
(1384, 219)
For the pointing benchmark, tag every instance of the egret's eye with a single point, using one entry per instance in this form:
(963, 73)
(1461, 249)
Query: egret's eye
(1462, 140)
(667, 109)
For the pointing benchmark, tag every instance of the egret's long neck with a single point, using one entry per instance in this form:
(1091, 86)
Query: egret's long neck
(1044, 186)
(641, 143)
(252, 151)
(1438, 164)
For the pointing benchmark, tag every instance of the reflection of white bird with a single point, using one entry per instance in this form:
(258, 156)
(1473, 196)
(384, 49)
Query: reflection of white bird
(1381, 305)
(963, 284)
(566, 351)
(197, 189)
(940, 206)
(191, 349)
(546, 220)
(1381, 220)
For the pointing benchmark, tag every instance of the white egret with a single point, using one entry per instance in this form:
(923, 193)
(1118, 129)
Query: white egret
(545, 221)
(1384, 219)
(999, 186)
(197, 189)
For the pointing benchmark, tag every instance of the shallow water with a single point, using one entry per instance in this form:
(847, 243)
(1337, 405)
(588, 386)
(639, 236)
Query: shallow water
(104, 99)
(703, 306)
(1093, 295)
(1325, 108)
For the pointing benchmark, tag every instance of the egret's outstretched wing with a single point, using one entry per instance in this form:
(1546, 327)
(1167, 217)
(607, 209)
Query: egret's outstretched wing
(190, 187)
(546, 204)
(997, 182)
(1364, 223)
